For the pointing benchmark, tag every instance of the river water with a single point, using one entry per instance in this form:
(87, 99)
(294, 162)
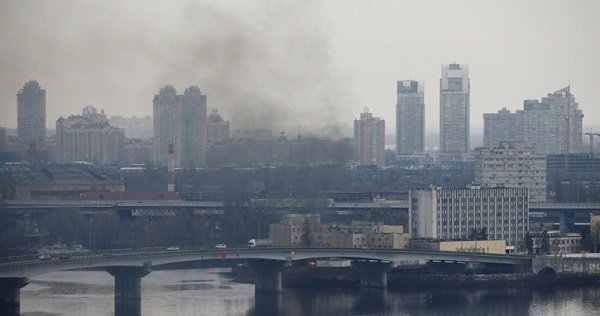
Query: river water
(210, 292)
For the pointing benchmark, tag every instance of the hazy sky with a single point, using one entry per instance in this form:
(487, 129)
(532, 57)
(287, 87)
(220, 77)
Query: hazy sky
(306, 65)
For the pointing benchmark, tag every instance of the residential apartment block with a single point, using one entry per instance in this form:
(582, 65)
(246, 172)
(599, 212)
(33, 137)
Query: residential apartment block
(89, 137)
(31, 117)
(180, 120)
(369, 139)
(217, 128)
(552, 125)
(512, 165)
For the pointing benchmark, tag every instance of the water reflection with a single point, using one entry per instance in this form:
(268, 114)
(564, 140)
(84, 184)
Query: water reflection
(266, 303)
(371, 301)
(209, 292)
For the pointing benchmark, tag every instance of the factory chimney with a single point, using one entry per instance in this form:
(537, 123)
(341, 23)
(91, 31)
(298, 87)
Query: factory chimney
(171, 175)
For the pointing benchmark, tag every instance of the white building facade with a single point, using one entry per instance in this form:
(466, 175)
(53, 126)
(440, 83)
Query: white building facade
(452, 214)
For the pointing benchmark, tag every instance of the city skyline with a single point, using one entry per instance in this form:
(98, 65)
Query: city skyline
(252, 61)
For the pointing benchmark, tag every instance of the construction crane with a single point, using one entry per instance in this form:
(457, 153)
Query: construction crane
(591, 134)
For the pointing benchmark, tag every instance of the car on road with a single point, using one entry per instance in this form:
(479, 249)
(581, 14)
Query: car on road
(220, 246)
(173, 248)
(45, 256)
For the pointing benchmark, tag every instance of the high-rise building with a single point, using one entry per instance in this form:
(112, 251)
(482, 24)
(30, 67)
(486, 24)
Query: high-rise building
(89, 137)
(512, 165)
(31, 117)
(180, 120)
(500, 127)
(218, 128)
(135, 127)
(369, 139)
(410, 118)
(552, 125)
(454, 214)
(454, 109)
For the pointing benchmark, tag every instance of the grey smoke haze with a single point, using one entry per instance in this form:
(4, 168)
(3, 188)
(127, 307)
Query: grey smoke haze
(261, 65)
(308, 65)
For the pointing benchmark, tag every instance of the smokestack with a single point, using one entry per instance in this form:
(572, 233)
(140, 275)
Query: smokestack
(171, 176)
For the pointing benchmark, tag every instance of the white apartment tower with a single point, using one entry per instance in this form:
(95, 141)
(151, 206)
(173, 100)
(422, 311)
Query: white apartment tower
(31, 117)
(512, 165)
(180, 120)
(454, 108)
(410, 118)
(451, 214)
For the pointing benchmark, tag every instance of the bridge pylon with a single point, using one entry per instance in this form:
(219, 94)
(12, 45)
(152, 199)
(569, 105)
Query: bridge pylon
(10, 295)
(267, 274)
(373, 274)
(128, 289)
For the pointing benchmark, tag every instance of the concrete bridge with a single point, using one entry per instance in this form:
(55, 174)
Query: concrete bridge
(129, 266)
(575, 263)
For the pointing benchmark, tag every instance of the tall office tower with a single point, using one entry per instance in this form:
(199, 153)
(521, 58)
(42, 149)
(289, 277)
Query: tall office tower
(369, 139)
(89, 137)
(180, 120)
(454, 109)
(31, 117)
(455, 213)
(512, 165)
(552, 125)
(410, 118)
(218, 128)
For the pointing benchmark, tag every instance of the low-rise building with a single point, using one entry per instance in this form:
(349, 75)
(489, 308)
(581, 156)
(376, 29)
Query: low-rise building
(552, 242)
(307, 230)
(479, 246)
(59, 182)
